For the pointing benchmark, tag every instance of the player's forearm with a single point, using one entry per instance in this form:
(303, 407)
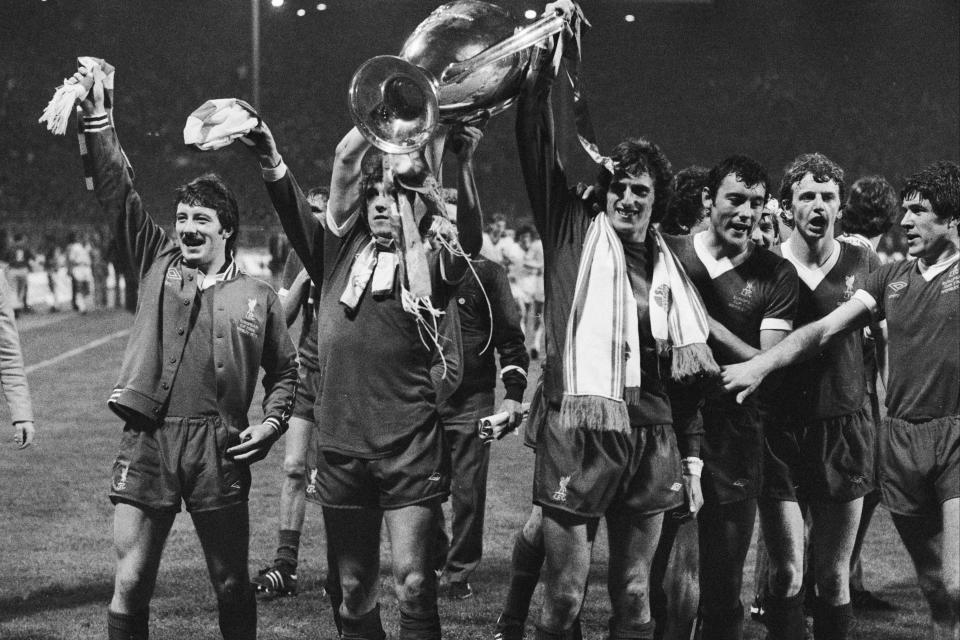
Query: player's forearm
(345, 184)
(12, 376)
(469, 212)
(726, 342)
(301, 227)
(280, 365)
(139, 239)
(800, 345)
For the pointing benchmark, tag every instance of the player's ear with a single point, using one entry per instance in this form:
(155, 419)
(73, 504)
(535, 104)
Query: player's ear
(706, 199)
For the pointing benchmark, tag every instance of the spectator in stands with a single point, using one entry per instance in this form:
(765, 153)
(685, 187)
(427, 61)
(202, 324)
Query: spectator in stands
(79, 263)
(20, 259)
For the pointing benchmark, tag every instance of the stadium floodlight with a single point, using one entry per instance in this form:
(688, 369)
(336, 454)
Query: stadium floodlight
(530, 14)
(321, 7)
(301, 12)
(630, 17)
(276, 3)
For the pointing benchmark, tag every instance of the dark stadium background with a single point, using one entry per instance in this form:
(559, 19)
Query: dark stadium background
(871, 83)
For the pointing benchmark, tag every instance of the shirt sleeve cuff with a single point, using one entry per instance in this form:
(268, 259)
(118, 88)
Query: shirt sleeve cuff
(776, 324)
(93, 124)
(279, 426)
(868, 301)
(272, 174)
(341, 230)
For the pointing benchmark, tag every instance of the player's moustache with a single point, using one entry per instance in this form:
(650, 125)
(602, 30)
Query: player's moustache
(191, 238)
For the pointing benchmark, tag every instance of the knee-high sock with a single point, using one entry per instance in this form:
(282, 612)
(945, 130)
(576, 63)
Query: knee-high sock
(784, 616)
(832, 622)
(128, 626)
(238, 618)
(366, 627)
(524, 575)
(573, 633)
(727, 625)
(419, 626)
(636, 631)
(288, 547)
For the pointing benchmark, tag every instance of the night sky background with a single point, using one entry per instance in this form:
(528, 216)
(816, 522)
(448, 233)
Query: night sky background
(873, 84)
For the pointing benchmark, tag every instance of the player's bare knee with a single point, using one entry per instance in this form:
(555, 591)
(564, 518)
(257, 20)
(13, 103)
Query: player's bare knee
(230, 589)
(415, 589)
(294, 467)
(355, 594)
(786, 580)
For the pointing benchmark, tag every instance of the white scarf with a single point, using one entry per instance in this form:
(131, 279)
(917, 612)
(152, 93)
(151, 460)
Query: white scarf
(601, 358)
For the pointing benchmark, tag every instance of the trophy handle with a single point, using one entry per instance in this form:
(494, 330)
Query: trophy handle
(523, 38)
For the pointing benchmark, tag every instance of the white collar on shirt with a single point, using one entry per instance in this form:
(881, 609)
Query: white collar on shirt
(932, 271)
(715, 268)
(812, 277)
(204, 282)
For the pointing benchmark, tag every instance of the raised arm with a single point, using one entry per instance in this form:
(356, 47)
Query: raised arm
(139, 239)
(345, 196)
(296, 217)
(800, 345)
(540, 162)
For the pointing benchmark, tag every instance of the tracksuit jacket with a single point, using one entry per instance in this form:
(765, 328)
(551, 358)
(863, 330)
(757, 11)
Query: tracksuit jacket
(249, 330)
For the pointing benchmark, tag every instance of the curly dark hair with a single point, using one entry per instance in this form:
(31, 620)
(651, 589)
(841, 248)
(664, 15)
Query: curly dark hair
(746, 169)
(871, 207)
(822, 168)
(940, 184)
(685, 208)
(209, 190)
(634, 157)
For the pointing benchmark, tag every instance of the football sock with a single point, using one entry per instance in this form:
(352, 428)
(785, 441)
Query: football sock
(524, 575)
(366, 627)
(288, 547)
(832, 622)
(420, 626)
(631, 631)
(128, 626)
(334, 593)
(727, 625)
(238, 618)
(784, 616)
(573, 633)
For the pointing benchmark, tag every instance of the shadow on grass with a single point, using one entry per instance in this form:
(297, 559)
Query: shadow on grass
(30, 635)
(55, 597)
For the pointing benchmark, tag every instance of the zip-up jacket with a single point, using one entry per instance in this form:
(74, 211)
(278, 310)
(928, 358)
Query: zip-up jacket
(249, 331)
(479, 367)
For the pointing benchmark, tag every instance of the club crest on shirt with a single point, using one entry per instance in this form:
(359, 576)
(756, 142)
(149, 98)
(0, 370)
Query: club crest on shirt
(120, 470)
(312, 482)
(250, 323)
(849, 290)
(743, 301)
(560, 495)
(173, 275)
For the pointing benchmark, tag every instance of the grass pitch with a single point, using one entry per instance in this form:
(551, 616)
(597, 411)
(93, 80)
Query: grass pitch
(56, 558)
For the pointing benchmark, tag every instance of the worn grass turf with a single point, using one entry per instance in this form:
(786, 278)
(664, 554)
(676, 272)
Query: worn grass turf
(56, 525)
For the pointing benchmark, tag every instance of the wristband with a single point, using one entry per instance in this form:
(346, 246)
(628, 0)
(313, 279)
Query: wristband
(692, 466)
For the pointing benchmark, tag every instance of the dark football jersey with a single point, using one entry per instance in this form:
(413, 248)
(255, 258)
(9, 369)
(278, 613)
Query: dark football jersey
(923, 326)
(831, 383)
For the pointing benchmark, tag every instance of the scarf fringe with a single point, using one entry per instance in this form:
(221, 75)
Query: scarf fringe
(693, 362)
(594, 413)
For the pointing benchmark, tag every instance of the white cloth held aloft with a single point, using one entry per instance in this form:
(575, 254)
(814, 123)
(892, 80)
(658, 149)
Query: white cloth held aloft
(217, 123)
